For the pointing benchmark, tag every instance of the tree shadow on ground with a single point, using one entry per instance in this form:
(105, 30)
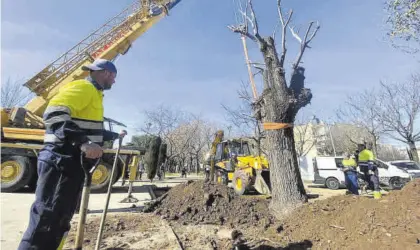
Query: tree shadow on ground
(306, 244)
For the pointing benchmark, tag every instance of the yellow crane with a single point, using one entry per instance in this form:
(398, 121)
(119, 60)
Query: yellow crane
(23, 131)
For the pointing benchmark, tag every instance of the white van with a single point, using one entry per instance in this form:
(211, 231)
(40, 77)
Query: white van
(327, 172)
(393, 174)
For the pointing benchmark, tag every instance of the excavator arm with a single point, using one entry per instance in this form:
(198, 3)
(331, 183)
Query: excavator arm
(112, 39)
(217, 139)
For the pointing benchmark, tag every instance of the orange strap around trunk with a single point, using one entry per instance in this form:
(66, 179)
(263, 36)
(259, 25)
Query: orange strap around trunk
(276, 125)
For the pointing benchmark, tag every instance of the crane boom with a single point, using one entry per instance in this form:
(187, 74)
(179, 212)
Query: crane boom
(23, 129)
(110, 40)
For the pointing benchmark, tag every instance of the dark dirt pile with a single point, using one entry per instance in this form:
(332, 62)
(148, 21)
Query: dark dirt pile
(345, 222)
(198, 202)
(340, 222)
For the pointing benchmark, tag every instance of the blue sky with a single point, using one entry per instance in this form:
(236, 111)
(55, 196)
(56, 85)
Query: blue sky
(192, 61)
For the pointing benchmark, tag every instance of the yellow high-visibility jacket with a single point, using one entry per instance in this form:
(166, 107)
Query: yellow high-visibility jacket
(365, 157)
(75, 114)
(349, 163)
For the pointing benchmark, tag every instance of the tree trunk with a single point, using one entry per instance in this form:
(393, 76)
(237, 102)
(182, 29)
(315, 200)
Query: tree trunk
(197, 162)
(375, 145)
(288, 191)
(284, 173)
(413, 150)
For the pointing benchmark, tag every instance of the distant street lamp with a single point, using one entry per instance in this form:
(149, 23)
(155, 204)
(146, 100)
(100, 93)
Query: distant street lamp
(332, 141)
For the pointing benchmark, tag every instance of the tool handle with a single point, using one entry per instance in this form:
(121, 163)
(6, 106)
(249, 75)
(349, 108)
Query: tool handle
(88, 174)
(84, 201)
(108, 196)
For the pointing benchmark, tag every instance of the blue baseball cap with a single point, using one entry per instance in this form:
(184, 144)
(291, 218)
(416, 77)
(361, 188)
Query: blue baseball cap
(101, 64)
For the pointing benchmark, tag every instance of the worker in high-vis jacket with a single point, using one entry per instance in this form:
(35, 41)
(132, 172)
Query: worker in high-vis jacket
(367, 166)
(74, 128)
(350, 174)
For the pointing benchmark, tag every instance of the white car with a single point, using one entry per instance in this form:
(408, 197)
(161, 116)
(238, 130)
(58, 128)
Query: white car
(396, 174)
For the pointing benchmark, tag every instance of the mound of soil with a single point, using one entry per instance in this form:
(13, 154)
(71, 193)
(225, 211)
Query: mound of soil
(339, 222)
(206, 216)
(344, 222)
(199, 202)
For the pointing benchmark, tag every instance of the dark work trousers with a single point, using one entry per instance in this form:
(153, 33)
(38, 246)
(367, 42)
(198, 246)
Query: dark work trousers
(371, 179)
(60, 181)
(374, 178)
(351, 181)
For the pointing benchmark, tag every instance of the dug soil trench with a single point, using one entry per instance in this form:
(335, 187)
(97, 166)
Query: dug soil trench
(198, 215)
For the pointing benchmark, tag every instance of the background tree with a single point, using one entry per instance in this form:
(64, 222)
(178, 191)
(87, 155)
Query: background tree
(404, 24)
(343, 138)
(360, 110)
(151, 157)
(162, 154)
(391, 153)
(167, 122)
(200, 143)
(13, 94)
(306, 138)
(279, 103)
(400, 111)
(142, 141)
(187, 135)
(242, 119)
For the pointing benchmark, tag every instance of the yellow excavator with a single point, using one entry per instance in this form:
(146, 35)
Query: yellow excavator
(234, 163)
(22, 128)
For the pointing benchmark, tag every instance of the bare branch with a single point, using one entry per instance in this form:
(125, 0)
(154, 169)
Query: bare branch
(284, 28)
(295, 34)
(254, 21)
(243, 31)
(246, 17)
(243, 28)
(305, 42)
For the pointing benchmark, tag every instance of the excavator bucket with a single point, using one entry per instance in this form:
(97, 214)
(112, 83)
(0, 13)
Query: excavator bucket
(262, 182)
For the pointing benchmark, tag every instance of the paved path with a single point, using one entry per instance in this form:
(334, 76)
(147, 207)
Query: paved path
(14, 208)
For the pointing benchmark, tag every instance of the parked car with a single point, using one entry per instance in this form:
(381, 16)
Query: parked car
(396, 174)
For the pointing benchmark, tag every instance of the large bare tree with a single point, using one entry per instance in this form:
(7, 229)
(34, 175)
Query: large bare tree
(400, 111)
(277, 107)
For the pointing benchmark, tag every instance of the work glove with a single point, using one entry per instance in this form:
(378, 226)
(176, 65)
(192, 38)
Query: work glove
(91, 150)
